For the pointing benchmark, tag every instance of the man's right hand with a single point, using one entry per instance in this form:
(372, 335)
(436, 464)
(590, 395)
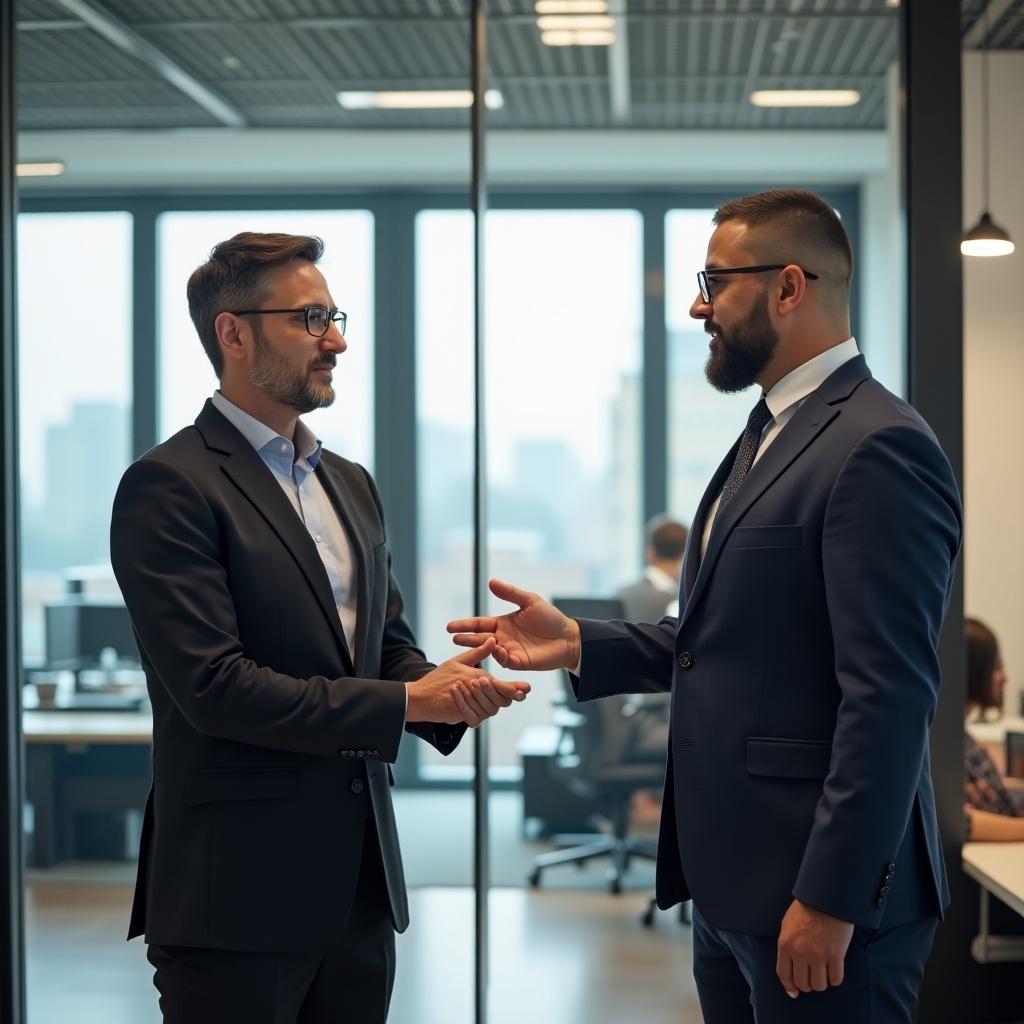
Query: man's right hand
(458, 690)
(534, 638)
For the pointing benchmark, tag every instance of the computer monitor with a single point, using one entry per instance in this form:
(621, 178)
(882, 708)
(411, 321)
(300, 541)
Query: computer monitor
(604, 608)
(1015, 754)
(78, 629)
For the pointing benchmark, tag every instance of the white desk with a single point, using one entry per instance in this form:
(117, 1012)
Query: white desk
(999, 869)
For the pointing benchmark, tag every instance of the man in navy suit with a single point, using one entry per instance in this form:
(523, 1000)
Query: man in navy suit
(799, 813)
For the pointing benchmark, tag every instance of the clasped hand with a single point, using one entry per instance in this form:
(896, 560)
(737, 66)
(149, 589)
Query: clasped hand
(458, 690)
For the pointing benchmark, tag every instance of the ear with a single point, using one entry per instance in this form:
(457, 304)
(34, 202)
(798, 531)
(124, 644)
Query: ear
(234, 337)
(792, 289)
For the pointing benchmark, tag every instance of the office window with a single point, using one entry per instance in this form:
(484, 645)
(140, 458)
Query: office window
(184, 241)
(702, 422)
(564, 307)
(74, 402)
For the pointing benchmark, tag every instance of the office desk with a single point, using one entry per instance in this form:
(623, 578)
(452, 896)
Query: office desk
(999, 869)
(82, 761)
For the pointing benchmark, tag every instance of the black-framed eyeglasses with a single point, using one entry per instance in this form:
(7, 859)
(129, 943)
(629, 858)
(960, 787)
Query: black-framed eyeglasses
(705, 277)
(318, 318)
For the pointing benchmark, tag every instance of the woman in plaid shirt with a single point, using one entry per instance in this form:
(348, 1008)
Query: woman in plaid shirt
(994, 806)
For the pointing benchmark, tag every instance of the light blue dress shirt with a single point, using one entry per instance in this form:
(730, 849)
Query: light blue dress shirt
(294, 468)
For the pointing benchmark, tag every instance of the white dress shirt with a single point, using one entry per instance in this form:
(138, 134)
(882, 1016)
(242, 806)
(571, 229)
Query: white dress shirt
(294, 469)
(783, 401)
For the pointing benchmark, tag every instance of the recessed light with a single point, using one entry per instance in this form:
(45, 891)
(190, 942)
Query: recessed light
(805, 97)
(571, 7)
(566, 37)
(418, 99)
(576, 23)
(40, 169)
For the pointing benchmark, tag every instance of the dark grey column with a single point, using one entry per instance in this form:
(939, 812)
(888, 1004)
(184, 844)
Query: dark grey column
(655, 446)
(145, 406)
(955, 988)
(481, 757)
(12, 959)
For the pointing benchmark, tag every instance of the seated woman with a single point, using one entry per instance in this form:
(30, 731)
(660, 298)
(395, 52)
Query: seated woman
(994, 808)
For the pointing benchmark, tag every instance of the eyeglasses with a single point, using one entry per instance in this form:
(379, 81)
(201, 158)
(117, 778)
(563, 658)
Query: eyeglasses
(318, 318)
(705, 277)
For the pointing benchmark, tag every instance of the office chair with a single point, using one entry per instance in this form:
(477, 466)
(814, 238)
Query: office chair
(592, 762)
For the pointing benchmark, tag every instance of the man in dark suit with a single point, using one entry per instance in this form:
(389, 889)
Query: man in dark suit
(281, 670)
(799, 812)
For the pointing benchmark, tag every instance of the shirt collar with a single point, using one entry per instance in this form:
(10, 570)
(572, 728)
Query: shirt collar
(661, 580)
(264, 438)
(808, 377)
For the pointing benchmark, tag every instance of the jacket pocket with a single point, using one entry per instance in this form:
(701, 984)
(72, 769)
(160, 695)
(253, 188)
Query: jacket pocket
(217, 785)
(766, 537)
(788, 759)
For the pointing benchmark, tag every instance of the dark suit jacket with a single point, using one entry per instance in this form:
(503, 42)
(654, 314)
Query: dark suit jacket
(270, 747)
(804, 673)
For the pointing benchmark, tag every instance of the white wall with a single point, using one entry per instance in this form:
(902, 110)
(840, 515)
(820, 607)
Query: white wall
(994, 368)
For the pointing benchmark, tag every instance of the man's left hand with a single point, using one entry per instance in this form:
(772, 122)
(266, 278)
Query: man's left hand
(812, 948)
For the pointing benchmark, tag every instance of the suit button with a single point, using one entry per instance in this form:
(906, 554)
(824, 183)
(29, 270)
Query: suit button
(686, 660)
(890, 868)
(357, 786)
(880, 902)
(884, 891)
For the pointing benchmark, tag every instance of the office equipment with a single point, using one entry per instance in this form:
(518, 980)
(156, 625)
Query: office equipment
(1015, 754)
(80, 629)
(592, 762)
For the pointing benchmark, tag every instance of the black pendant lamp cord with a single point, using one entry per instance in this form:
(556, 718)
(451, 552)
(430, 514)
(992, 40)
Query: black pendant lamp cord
(984, 113)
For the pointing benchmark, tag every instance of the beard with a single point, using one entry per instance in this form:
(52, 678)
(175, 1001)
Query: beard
(276, 377)
(740, 356)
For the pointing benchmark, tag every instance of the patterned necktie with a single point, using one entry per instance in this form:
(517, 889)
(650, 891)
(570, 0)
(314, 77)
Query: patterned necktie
(756, 422)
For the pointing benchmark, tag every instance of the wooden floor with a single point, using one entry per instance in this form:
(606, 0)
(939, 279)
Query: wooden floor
(557, 958)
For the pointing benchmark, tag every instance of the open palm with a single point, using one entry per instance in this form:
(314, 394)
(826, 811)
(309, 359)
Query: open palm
(535, 637)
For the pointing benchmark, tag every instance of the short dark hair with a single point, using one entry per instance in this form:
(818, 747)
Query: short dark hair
(235, 277)
(982, 656)
(797, 225)
(666, 537)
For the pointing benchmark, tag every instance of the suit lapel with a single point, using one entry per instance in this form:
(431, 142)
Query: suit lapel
(692, 559)
(334, 484)
(247, 471)
(817, 411)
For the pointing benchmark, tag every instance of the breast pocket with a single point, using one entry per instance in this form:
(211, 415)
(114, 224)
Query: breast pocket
(766, 537)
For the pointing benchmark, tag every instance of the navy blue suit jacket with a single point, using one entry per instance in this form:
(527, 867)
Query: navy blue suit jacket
(803, 672)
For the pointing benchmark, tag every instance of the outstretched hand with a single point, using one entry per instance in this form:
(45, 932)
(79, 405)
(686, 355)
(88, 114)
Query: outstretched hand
(535, 637)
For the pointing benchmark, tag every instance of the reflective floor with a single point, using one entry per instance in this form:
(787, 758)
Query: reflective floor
(558, 958)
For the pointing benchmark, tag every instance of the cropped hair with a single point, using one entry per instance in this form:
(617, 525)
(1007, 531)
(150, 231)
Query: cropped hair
(795, 221)
(666, 537)
(235, 277)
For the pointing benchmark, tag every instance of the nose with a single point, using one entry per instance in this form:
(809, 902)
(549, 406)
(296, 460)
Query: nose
(333, 340)
(701, 310)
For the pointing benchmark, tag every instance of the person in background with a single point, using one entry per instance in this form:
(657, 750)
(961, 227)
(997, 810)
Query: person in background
(994, 806)
(650, 598)
(653, 596)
